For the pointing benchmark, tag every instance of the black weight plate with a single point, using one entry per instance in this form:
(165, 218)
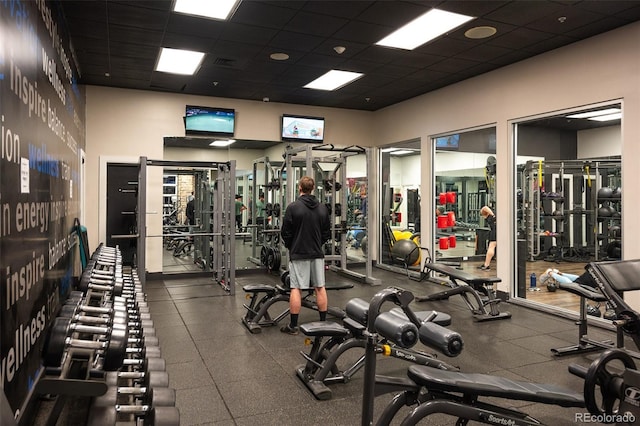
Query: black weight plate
(162, 397)
(284, 278)
(102, 415)
(163, 416)
(277, 261)
(270, 258)
(156, 379)
(54, 345)
(264, 251)
(276, 210)
(116, 350)
(155, 364)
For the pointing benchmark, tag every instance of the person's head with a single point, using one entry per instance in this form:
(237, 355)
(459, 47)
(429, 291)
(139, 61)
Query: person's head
(190, 198)
(306, 185)
(238, 197)
(486, 212)
(439, 211)
(261, 197)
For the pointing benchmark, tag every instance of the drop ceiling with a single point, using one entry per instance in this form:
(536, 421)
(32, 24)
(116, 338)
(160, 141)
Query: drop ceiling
(116, 44)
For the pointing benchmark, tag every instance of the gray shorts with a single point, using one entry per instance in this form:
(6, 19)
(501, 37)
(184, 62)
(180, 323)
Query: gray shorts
(306, 273)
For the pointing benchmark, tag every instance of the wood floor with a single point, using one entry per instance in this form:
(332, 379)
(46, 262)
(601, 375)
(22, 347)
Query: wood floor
(562, 299)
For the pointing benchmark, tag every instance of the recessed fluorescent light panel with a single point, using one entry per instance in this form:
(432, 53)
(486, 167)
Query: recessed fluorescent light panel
(333, 80)
(591, 114)
(402, 152)
(176, 61)
(432, 24)
(222, 143)
(214, 9)
(607, 117)
(388, 149)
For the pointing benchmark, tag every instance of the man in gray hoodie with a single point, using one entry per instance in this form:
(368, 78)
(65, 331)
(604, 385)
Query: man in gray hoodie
(305, 228)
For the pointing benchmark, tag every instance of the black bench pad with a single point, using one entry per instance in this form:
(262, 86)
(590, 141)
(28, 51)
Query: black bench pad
(620, 275)
(259, 288)
(495, 386)
(583, 291)
(323, 328)
(461, 275)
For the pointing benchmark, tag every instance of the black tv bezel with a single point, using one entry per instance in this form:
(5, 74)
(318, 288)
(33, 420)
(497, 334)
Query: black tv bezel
(188, 132)
(288, 139)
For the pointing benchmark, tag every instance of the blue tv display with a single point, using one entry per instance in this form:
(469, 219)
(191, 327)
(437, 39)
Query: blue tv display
(448, 142)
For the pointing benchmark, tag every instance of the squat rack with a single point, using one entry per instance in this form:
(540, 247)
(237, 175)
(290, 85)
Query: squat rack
(221, 228)
(302, 157)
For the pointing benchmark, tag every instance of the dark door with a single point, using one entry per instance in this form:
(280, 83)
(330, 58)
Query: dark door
(122, 201)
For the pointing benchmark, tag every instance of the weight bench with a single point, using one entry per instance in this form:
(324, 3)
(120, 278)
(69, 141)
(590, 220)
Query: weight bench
(469, 287)
(402, 327)
(263, 296)
(585, 343)
(459, 395)
(613, 280)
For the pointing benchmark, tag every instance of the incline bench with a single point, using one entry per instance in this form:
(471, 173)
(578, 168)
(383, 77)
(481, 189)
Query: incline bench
(263, 296)
(469, 287)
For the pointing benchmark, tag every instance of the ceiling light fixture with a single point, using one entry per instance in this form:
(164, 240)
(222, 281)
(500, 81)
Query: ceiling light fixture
(279, 56)
(388, 149)
(177, 61)
(480, 32)
(607, 117)
(218, 9)
(424, 28)
(590, 114)
(222, 143)
(403, 152)
(333, 80)
(340, 49)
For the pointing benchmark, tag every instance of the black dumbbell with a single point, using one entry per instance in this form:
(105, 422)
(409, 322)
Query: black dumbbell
(59, 339)
(153, 416)
(147, 363)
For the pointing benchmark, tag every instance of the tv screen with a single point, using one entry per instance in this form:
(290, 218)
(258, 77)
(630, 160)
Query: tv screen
(448, 142)
(209, 121)
(304, 129)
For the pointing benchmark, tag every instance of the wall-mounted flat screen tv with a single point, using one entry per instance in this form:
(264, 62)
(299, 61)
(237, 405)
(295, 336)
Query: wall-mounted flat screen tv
(209, 121)
(302, 129)
(448, 142)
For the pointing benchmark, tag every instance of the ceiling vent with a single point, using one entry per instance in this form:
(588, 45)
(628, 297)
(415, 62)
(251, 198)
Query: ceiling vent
(224, 62)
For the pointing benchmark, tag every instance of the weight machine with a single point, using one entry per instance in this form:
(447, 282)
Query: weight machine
(214, 235)
(559, 204)
(330, 172)
(269, 179)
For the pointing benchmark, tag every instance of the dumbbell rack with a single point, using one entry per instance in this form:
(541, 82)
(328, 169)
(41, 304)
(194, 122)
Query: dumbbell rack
(104, 329)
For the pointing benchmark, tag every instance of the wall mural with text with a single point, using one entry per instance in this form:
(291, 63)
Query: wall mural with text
(42, 120)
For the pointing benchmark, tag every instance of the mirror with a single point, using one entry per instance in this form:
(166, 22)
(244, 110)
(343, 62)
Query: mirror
(400, 196)
(568, 175)
(465, 181)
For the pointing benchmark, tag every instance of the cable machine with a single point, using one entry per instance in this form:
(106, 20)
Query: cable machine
(214, 232)
(570, 209)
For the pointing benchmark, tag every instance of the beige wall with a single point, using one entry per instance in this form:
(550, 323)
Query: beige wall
(600, 69)
(603, 68)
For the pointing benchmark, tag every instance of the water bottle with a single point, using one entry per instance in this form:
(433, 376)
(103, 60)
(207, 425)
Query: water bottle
(532, 280)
